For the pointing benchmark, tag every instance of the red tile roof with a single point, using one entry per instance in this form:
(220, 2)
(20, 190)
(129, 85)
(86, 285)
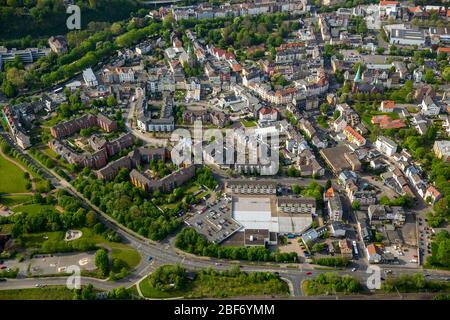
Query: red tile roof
(435, 192)
(388, 3)
(329, 193)
(388, 104)
(442, 49)
(353, 133)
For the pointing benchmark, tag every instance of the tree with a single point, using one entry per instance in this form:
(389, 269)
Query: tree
(356, 205)
(9, 89)
(119, 294)
(296, 189)
(102, 261)
(324, 108)
(91, 218)
(111, 101)
(336, 114)
(446, 74)
(429, 76)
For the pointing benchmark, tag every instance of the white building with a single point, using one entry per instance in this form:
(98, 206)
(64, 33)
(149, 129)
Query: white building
(388, 8)
(125, 74)
(291, 215)
(429, 108)
(90, 78)
(386, 146)
(407, 37)
(335, 211)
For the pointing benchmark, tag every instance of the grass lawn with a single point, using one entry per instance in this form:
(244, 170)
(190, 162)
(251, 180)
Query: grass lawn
(150, 292)
(11, 178)
(248, 124)
(119, 250)
(34, 208)
(54, 156)
(47, 293)
(35, 240)
(209, 286)
(14, 200)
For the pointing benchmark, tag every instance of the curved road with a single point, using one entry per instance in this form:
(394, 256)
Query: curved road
(165, 253)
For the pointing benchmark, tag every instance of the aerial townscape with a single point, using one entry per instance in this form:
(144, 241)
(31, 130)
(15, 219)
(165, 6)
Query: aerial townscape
(349, 98)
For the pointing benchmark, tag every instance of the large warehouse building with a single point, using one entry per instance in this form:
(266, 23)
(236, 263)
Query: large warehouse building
(281, 215)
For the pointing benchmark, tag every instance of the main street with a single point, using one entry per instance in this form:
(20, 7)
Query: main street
(164, 252)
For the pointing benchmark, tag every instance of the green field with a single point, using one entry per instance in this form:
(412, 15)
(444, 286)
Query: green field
(11, 178)
(33, 208)
(35, 240)
(248, 124)
(48, 293)
(14, 200)
(119, 250)
(208, 286)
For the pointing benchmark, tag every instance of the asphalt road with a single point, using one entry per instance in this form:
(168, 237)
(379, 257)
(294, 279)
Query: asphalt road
(165, 253)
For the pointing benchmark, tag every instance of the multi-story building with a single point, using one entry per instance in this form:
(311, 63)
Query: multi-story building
(386, 146)
(354, 137)
(441, 149)
(89, 120)
(243, 186)
(296, 205)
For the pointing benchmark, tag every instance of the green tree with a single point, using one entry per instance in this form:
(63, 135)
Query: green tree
(111, 101)
(429, 76)
(356, 205)
(102, 261)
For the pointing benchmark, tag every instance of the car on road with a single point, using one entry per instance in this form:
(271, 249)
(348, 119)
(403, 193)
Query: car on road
(2, 267)
(2, 279)
(354, 269)
(149, 258)
(218, 264)
(308, 273)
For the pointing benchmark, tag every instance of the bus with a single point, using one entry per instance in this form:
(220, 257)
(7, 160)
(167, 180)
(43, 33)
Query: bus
(355, 249)
(58, 90)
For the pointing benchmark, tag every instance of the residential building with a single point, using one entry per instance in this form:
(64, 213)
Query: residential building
(354, 137)
(89, 78)
(386, 146)
(429, 107)
(441, 149)
(58, 44)
(374, 253)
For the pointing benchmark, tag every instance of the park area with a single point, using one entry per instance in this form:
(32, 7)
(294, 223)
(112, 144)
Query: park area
(12, 179)
(47, 293)
(210, 284)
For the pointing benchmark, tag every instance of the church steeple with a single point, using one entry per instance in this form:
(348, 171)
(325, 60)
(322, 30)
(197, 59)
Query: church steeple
(358, 75)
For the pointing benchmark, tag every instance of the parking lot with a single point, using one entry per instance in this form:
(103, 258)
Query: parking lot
(58, 263)
(407, 256)
(53, 264)
(214, 220)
